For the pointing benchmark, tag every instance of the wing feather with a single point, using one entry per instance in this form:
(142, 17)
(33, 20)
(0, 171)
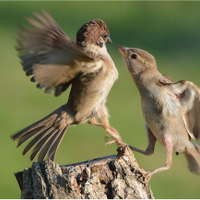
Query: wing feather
(49, 54)
(191, 104)
(188, 95)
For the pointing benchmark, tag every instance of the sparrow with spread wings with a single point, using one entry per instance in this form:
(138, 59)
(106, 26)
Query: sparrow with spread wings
(56, 62)
(171, 110)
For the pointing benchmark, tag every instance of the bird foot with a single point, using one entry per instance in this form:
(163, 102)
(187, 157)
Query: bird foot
(119, 141)
(116, 137)
(110, 142)
(147, 177)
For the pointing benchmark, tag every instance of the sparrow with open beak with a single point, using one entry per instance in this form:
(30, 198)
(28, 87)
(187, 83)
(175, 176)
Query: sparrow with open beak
(171, 110)
(56, 62)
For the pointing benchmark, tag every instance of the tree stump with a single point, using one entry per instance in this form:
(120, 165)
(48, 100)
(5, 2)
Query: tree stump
(110, 177)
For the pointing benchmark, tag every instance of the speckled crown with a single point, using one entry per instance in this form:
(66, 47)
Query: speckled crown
(90, 31)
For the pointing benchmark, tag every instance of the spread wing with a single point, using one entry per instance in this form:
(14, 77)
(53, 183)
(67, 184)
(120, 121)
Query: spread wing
(191, 103)
(189, 96)
(49, 55)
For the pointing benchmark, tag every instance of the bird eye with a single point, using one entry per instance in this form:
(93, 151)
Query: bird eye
(134, 56)
(105, 35)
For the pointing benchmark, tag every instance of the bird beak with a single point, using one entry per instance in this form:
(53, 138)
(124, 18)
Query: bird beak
(108, 40)
(123, 51)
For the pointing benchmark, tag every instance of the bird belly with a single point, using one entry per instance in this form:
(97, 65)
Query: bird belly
(157, 128)
(86, 101)
(170, 127)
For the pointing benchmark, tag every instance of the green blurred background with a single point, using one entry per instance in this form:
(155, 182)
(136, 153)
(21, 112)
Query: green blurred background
(168, 30)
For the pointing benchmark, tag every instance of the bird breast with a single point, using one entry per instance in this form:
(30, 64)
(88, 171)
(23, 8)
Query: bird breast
(161, 112)
(89, 93)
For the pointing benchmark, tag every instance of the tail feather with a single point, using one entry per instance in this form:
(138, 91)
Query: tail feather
(39, 146)
(52, 151)
(48, 134)
(29, 131)
(193, 159)
(46, 147)
(36, 139)
(30, 134)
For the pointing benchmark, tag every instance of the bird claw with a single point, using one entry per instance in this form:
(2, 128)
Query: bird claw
(110, 142)
(116, 137)
(142, 171)
(147, 177)
(122, 144)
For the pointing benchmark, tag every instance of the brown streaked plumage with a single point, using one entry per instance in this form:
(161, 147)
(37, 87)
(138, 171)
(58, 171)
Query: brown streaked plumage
(55, 62)
(90, 32)
(171, 110)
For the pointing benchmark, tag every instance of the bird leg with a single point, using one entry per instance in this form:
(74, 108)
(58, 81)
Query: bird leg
(151, 144)
(168, 151)
(168, 147)
(116, 137)
(94, 122)
(110, 130)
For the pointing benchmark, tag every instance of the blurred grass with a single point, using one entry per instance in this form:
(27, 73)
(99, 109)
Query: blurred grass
(168, 30)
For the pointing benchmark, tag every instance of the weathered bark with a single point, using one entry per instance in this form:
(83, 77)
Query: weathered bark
(109, 177)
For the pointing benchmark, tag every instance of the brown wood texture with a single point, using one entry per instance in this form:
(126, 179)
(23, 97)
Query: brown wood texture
(110, 177)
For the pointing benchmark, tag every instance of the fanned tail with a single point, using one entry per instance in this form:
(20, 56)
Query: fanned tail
(48, 133)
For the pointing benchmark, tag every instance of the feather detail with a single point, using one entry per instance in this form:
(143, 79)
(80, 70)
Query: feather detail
(48, 134)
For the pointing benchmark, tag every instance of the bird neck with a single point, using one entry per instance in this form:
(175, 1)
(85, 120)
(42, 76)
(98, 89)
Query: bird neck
(94, 50)
(101, 53)
(147, 81)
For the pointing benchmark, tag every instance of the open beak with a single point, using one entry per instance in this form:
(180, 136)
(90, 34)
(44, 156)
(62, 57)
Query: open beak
(108, 40)
(123, 51)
